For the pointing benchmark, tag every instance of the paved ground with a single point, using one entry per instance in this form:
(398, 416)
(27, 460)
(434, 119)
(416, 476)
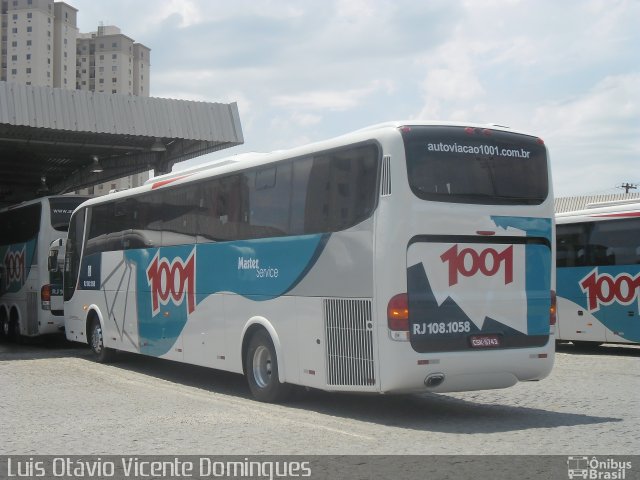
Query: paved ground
(55, 400)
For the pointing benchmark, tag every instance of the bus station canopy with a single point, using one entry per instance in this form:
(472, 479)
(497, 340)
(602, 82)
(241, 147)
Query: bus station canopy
(56, 141)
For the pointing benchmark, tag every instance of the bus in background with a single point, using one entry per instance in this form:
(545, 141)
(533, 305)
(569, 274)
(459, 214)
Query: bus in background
(404, 257)
(598, 269)
(26, 232)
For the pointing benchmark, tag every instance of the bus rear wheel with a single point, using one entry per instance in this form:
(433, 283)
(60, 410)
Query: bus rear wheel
(4, 328)
(261, 365)
(96, 342)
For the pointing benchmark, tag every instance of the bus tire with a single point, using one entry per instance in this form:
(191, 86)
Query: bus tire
(96, 342)
(14, 327)
(262, 370)
(4, 326)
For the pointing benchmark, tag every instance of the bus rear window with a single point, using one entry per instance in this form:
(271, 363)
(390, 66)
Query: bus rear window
(454, 164)
(61, 210)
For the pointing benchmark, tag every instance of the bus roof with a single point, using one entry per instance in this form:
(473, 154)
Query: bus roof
(256, 159)
(40, 200)
(602, 211)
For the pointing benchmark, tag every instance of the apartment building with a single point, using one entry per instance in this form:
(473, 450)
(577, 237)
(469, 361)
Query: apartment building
(38, 43)
(110, 62)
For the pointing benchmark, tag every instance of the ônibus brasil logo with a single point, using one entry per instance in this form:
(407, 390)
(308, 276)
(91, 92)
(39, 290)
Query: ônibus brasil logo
(469, 262)
(172, 281)
(604, 289)
(14, 265)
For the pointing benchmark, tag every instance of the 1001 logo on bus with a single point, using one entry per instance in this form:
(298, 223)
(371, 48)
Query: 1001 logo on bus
(14, 264)
(468, 262)
(604, 289)
(172, 281)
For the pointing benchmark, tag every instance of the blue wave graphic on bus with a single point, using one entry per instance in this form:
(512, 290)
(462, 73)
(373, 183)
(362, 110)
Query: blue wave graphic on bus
(538, 269)
(172, 281)
(611, 294)
(16, 261)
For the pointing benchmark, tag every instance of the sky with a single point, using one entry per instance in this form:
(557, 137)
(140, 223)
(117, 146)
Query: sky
(301, 71)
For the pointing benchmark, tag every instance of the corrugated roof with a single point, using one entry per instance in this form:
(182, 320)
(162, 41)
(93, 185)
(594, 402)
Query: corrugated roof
(56, 133)
(570, 204)
(82, 111)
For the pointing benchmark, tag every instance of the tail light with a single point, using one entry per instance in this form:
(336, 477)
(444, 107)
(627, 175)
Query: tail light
(553, 309)
(45, 297)
(398, 316)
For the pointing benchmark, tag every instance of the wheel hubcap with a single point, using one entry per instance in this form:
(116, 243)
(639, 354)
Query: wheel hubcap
(96, 339)
(262, 366)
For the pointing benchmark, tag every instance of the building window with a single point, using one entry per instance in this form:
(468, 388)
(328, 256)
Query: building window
(15, 44)
(14, 71)
(114, 68)
(101, 57)
(28, 56)
(101, 80)
(114, 56)
(29, 15)
(114, 45)
(14, 58)
(114, 79)
(14, 30)
(28, 71)
(28, 43)
(65, 41)
(114, 91)
(15, 16)
(30, 28)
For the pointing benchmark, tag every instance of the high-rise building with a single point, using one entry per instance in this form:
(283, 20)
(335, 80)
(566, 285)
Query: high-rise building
(38, 42)
(110, 62)
(40, 45)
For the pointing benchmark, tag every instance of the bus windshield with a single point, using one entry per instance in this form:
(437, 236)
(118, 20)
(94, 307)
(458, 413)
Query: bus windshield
(61, 210)
(473, 165)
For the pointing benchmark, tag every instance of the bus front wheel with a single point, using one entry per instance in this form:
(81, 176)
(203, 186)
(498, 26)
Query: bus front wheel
(262, 370)
(96, 342)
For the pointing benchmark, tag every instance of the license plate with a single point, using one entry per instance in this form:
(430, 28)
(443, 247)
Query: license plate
(485, 341)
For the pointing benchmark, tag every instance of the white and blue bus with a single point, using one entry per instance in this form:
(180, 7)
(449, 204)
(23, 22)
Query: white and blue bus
(26, 287)
(598, 268)
(404, 257)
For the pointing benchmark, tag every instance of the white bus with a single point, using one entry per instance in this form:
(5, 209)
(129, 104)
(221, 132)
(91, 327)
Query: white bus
(405, 257)
(26, 231)
(598, 268)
